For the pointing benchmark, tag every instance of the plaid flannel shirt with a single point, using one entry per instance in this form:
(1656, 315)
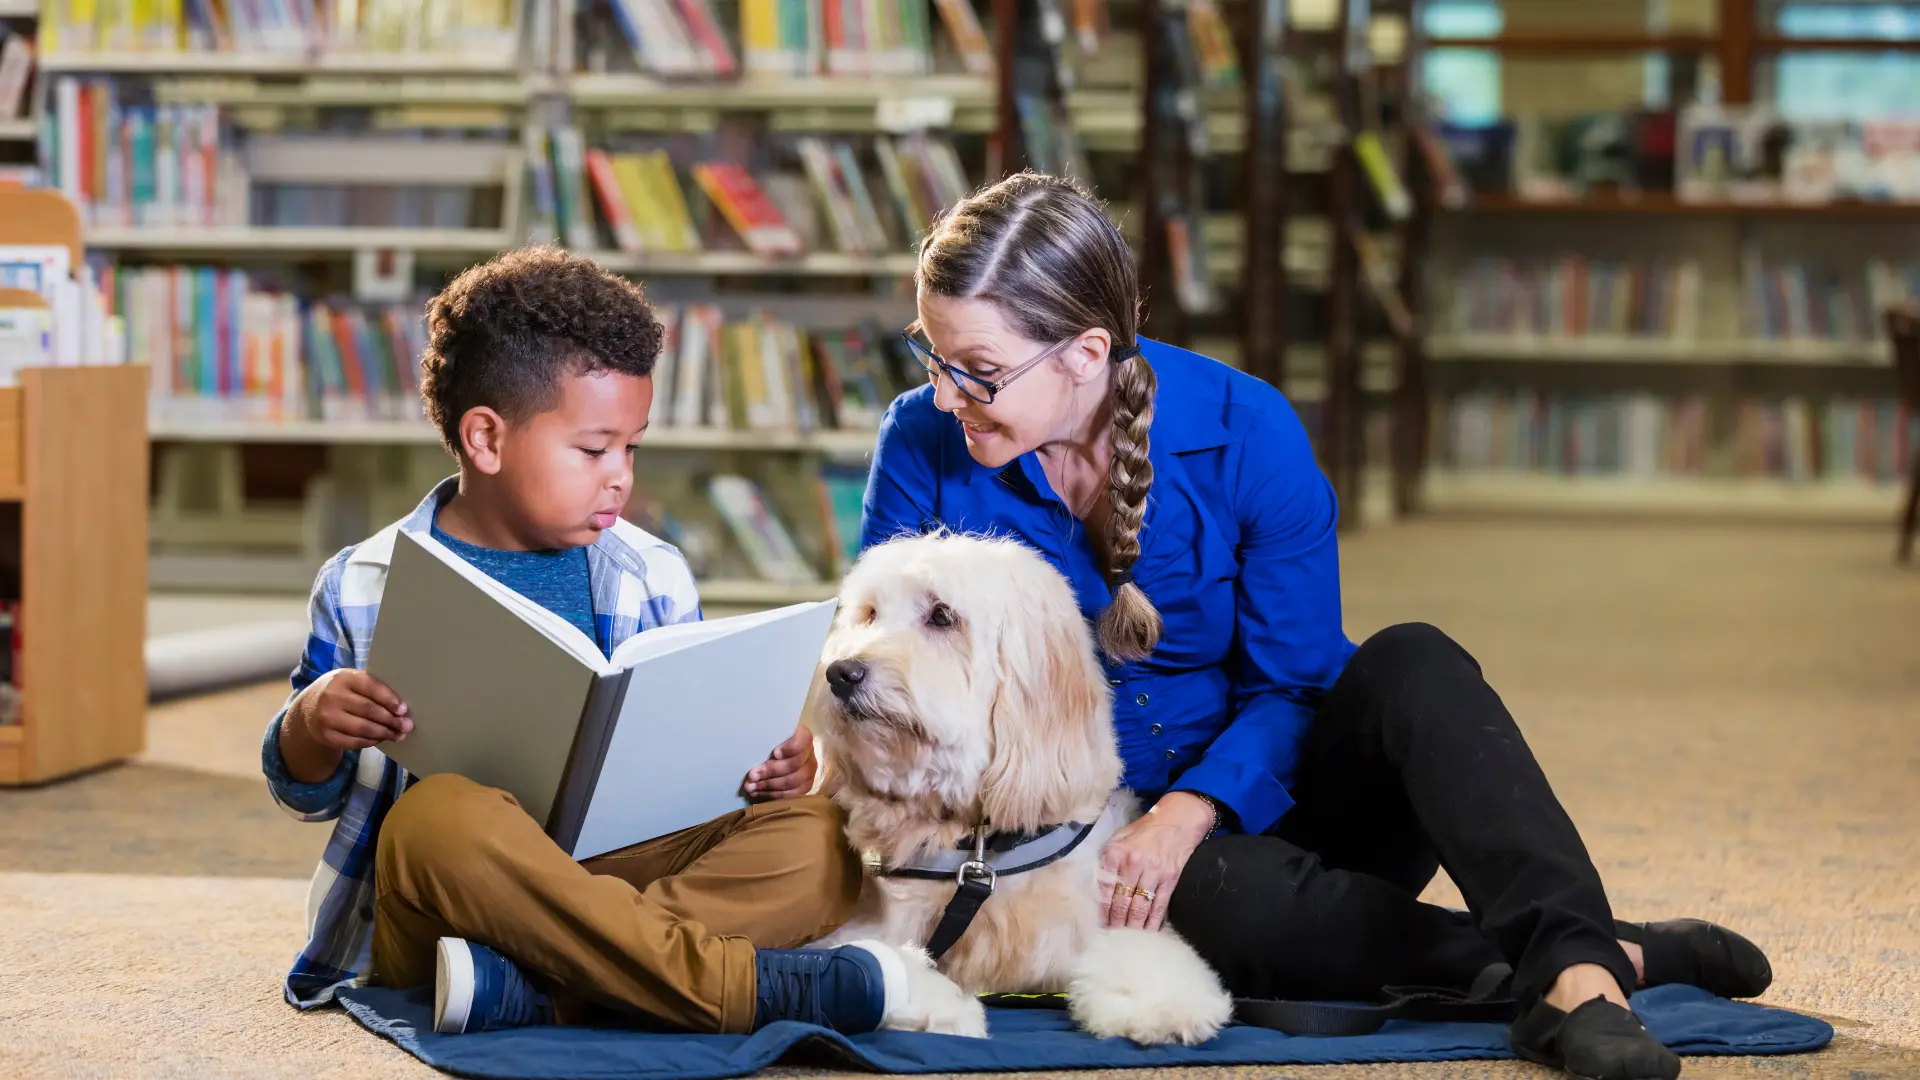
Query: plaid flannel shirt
(639, 582)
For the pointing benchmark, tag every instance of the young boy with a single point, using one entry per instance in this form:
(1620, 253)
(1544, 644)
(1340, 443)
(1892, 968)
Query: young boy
(537, 374)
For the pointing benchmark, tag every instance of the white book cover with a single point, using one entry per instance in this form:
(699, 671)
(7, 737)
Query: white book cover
(604, 751)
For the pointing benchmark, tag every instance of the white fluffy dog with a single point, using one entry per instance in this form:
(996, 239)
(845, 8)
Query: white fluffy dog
(960, 697)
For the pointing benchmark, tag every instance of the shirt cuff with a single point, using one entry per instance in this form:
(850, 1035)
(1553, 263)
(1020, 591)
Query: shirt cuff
(1254, 797)
(297, 795)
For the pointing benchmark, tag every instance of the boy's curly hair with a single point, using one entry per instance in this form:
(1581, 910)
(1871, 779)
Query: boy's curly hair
(504, 333)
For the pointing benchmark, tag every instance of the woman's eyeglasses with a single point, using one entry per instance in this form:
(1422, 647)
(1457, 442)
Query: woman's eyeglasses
(973, 386)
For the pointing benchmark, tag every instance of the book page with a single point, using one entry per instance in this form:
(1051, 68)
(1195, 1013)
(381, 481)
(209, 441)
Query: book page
(695, 719)
(493, 697)
(666, 639)
(558, 630)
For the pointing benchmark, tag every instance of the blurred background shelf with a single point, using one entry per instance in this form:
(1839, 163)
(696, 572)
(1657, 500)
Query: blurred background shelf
(1755, 499)
(293, 241)
(420, 433)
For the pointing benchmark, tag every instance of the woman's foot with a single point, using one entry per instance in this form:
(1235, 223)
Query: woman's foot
(1698, 953)
(1597, 1040)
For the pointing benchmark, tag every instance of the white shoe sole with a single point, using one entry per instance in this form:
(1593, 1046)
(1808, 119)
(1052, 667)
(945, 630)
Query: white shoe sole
(452, 986)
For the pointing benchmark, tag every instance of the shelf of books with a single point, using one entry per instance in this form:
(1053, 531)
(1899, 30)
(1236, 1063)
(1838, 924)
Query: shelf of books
(1664, 306)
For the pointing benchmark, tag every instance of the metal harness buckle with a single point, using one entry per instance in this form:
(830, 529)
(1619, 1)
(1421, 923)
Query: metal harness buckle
(976, 868)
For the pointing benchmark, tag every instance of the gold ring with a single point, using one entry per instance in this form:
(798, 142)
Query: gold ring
(1145, 894)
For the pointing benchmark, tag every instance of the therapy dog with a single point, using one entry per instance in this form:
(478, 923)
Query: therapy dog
(967, 731)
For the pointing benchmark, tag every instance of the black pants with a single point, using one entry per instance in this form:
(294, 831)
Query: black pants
(1413, 764)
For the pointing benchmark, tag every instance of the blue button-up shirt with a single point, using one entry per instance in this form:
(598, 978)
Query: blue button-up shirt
(1237, 552)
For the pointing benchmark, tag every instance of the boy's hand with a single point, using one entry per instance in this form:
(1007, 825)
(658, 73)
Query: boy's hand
(788, 772)
(348, 709)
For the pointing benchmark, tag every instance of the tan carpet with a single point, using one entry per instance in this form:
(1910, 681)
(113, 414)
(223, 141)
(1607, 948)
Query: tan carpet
(1732, 714)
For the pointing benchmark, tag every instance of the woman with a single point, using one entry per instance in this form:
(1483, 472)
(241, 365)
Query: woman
(1303, 791)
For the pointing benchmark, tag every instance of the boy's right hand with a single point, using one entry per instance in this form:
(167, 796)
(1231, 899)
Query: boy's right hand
(348, 709)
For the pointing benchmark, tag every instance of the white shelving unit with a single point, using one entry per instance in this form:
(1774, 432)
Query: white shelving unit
(419, 433)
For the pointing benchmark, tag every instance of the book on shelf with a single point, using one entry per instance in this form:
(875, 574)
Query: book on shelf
(1576, 296)
(969, 38)
(761, 535)
(1383, 179)
(841, 491)
(604, 751)
(745, 205)
(1212, 44)
(69, 322)
(688, 39)
(16, 72)
(1749, 153)
(1643, 435)
(10, 678)
(474, 30)
(224, 346)
(668, 38)
(129, 162)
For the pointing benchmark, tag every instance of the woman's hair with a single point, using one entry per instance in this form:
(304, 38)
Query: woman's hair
(1047, 255)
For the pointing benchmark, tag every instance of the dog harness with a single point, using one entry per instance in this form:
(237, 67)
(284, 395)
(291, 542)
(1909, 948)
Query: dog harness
(978, 862)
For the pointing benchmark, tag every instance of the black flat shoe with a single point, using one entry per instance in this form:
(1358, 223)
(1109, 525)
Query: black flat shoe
(1597, 1041)
(1699, 953)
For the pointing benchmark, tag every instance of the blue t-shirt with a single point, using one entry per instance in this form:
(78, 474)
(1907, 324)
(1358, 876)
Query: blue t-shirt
(556, 580)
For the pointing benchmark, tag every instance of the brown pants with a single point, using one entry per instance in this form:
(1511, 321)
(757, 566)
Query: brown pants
(664, 929)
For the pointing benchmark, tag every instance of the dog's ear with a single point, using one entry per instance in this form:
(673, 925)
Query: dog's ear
(1051, 721)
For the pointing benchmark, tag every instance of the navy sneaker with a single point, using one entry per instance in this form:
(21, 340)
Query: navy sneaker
(477, 989)
(844, 989)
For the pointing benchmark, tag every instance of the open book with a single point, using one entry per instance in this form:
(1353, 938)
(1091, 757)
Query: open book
(606, 753)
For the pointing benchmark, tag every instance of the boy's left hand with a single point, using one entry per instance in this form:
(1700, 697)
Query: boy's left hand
(788, 772)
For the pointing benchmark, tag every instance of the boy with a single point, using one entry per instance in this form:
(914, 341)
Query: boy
(537, 374)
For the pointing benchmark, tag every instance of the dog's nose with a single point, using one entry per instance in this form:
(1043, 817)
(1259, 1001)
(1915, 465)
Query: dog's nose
(845, 676)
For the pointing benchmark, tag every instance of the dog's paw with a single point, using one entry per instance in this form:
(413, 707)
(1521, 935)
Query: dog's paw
(1148, 986)
(920, 998)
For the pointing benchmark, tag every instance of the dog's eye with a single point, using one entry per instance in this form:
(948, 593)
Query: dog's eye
(942, 616)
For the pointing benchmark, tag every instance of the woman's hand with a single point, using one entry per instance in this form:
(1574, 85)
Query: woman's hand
(788, 772)
(1143, 861)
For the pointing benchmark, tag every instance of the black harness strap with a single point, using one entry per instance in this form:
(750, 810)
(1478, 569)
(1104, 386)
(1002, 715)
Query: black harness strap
(976, 873)
(965, 904)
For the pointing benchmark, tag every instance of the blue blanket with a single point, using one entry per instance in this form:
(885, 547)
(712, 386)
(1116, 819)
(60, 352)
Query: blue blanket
(1689, 1020)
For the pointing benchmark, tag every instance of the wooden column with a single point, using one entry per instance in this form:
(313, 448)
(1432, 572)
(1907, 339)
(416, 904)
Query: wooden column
(1262, 274)
(1739, 21)
(1006, 150)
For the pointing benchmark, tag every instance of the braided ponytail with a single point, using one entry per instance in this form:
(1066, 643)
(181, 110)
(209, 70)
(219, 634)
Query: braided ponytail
(1045, 253)
(1130, 627)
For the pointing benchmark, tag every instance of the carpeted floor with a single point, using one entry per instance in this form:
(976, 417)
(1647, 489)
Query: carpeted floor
(1731, 713)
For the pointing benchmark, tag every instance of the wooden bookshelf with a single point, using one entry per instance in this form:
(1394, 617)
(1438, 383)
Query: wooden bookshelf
(80, 448)
(73, 509)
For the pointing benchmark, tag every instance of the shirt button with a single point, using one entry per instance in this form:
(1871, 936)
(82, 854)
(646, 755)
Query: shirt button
(1169, 755)
(1141, 700)
(1113, 682)
(1154, 730)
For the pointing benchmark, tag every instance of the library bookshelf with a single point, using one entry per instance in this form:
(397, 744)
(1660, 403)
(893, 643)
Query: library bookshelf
(73, 524)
